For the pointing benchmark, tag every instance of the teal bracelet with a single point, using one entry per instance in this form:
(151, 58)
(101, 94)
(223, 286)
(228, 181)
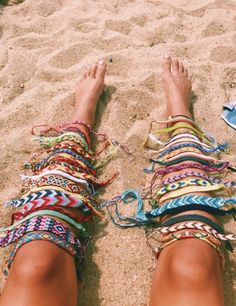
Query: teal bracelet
(188, 158)
(48, 213)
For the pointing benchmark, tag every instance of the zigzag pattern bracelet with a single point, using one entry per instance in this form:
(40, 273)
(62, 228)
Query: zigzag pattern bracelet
(29, 237)
(186, 145)
(67, 151)
(40, 223)
(181, 184)
(212, 179)
(217, 203)
(195, 225)
(50, 141)
(175, 168)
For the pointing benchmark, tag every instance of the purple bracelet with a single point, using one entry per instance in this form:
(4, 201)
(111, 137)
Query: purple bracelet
(40, 223)
(166, 170)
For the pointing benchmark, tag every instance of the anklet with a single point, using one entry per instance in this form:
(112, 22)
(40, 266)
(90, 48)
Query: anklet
(187, 174)
(194, 218)
(180, 126)
(45, 213)
(186, 145)
(197, 226)
(190, 118)
(39, 223)
(45, 237)
(175, 168)
(182, 184)
(190, 154)
(188, 158)
(189, 189)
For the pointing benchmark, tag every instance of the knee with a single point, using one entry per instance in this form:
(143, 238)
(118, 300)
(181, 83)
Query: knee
(40, 264)
(192, 266)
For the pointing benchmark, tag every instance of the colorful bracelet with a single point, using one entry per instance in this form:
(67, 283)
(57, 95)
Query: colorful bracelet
(196, 226)
(55, 195)
(67, 151)
(187, 174)
(170, 169)
(187, 158)
(190, 154)
(58, 181)
(39, 223)
(63, 174)
(181, 184)
(189, 189)
(29, 237)
(50, 141)
(46, 212)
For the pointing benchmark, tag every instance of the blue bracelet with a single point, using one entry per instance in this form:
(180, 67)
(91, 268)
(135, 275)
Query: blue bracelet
(193, 145)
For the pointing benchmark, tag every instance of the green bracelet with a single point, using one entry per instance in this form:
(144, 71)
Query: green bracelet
(48, 213)
(181, 125)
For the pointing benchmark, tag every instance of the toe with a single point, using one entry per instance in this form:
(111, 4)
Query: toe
(181, 67)
(89, 72)
(93, 71)
(185, 71)
(83, 76)
(166, 62)
(101, 69)
(175, 65)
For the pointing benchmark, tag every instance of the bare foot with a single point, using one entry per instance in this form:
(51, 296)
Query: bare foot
(88, 92)
(177, 87)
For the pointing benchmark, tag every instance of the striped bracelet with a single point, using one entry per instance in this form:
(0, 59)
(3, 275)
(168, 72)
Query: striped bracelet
(186, 174)
(40, 223)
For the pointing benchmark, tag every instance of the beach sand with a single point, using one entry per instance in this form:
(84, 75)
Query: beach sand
(44, 47)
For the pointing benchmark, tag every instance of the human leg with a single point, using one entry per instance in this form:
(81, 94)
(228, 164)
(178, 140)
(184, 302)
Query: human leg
(43, 273)
(188, 271)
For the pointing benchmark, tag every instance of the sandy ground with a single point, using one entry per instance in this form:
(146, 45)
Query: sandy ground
(45, 45)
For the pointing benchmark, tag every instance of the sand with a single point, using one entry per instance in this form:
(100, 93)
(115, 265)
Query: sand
(44, 47)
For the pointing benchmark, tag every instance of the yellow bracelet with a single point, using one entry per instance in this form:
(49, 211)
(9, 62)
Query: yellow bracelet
(189, 189)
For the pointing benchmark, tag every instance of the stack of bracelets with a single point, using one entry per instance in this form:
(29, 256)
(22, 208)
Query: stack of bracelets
(65, 178)
(188, 152)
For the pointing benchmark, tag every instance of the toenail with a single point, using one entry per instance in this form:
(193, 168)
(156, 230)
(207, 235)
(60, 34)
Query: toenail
(167, 56)
(101, 62)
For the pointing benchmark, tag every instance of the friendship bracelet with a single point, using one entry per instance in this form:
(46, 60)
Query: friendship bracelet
(195, 218)
(191, 154)
(76, 201)
(198, 235)
(45, 213)
(67, 151)
(83, 182)
(65, 158)
(39, 223)
(196, 226)
(181, 184)
(58, 181)
(76, 174)
(50, 141)
(179, 152)
(73, 147)
(187, 174)
(81, 218)
(49, 237)
(170, 169)
(198, 201)
(189, 189)
(186, 145)
(216, 167)
(179, 126)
